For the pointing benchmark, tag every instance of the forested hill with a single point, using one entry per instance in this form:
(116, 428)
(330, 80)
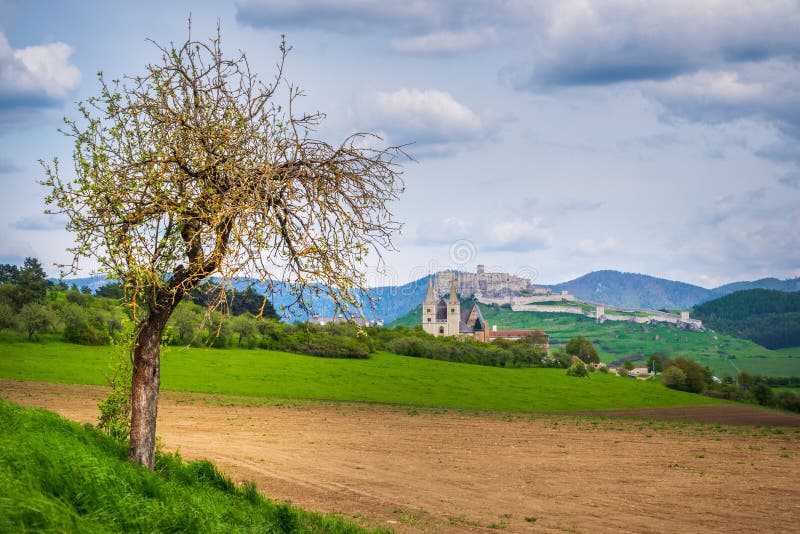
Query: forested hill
(631, 290)
(770, 318)
(792, 284)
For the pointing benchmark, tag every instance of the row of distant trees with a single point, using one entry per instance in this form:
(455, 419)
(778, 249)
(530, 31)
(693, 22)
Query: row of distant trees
(687, 375)
(525, 352)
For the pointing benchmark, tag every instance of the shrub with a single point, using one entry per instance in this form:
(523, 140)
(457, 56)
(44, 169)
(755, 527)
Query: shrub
(788, 401)
(694, 376)
(577, 369)
(673, 377)
(85, 327)
(334, 347)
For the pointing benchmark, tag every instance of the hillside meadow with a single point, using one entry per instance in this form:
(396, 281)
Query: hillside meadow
(383, 378)
(615, 340)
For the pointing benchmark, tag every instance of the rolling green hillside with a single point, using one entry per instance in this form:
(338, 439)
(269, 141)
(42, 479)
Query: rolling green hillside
(58, 476)
(385, 378)
(724, 354)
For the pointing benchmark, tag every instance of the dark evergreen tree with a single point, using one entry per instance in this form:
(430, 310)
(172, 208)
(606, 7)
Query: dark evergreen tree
(32, 282)
(8, 273)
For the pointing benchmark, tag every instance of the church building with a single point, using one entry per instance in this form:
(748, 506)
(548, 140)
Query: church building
(442, 317)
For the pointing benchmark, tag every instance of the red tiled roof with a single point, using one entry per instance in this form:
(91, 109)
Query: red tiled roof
(515, 333)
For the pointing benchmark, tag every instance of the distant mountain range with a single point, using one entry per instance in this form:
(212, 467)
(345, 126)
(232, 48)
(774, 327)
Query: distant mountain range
(391, 301)
(631, 290)
(614, 288)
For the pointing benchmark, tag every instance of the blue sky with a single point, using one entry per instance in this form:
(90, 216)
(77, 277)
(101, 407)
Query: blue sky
(551, 138)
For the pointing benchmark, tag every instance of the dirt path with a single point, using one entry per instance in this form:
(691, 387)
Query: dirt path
(450, 471)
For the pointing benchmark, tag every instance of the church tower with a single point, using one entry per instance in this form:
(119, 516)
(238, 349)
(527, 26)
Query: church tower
(429, 309)
(453, 310)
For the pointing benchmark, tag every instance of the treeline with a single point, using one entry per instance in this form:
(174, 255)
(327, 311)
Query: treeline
(687, 375)
(757, 390)
(767, 317)
(34, 306)
(525, 352)
(31, 304)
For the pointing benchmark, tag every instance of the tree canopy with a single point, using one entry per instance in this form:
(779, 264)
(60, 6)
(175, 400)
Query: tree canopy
(198, 168)
(583, 349)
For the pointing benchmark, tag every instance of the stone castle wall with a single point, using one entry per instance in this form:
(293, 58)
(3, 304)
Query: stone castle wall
(482, 283)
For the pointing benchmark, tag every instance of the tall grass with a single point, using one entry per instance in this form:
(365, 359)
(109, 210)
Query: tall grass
(58, 476)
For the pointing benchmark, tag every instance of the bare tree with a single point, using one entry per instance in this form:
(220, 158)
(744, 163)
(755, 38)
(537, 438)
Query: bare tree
(195, 169)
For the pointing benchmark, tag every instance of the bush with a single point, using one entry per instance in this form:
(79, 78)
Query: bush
(788, 401)
(692, 377)
(85, 327)
(334, 347)
(577, 369)
(115, 409)
(673, 377)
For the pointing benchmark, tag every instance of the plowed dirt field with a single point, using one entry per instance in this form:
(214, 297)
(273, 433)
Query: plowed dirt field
(420, 470)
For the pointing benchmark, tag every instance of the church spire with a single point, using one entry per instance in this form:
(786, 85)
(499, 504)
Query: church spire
(453, 294)
(430, 297)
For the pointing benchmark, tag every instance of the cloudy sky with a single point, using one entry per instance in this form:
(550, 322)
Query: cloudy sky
(550, 138)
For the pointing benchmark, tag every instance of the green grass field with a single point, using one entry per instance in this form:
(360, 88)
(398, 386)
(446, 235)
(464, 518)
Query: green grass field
(385, 378)
(725, 355)
(58, 476)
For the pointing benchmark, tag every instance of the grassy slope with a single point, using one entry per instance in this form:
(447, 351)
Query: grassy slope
(56, 476)
(382, 378)
(618, 339)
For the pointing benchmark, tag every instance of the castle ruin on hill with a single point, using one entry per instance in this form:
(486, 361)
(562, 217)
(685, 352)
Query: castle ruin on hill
(521, 295)
(481, 284)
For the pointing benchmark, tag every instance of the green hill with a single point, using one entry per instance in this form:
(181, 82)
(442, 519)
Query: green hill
(58, 476)
(384, 378)
(770, 318)
(614, 341)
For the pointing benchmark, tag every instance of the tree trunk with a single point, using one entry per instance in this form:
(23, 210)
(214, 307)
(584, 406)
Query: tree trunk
(144, 391)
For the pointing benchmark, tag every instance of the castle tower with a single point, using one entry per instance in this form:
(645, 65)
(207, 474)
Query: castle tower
(429, 310)
(453, 311)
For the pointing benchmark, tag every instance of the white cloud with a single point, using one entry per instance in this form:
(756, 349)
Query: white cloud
(433, 121)
(445, 42)
(428, 112)
(443, 231)
(36, 75)
(519, 235)
(582, 43)
(512, 235)
(769, 90)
